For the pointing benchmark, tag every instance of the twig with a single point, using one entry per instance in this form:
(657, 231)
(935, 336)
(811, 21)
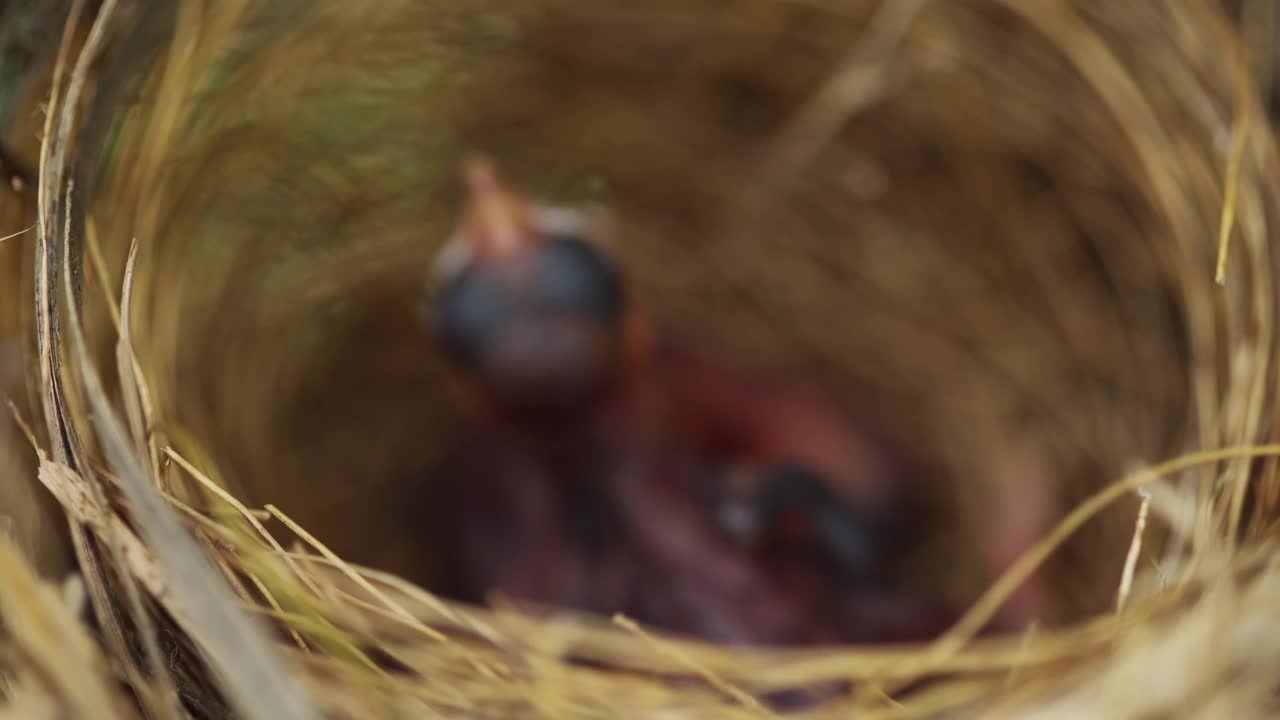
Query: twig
(1135, 549)
(52, 639)
(240, 507)
(20, 232)
(985, 608)
(739, 695)
(1231, 189)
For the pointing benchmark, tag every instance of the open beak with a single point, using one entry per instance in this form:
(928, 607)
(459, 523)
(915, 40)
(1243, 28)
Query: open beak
(496, 223)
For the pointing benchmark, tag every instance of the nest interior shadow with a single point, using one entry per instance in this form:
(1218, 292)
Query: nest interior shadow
(957, 217)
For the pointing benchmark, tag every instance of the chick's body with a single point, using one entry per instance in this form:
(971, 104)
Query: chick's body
(525, 527)
(603, 452)
(793, 578)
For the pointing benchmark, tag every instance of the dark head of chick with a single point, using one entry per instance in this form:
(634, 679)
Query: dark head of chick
(529, 305)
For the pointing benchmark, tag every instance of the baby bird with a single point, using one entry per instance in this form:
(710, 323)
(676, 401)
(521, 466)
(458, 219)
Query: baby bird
(529, 314)
(793, 512)
(620, 467)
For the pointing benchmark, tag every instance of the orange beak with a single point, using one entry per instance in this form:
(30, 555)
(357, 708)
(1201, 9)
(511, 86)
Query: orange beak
(497, 223)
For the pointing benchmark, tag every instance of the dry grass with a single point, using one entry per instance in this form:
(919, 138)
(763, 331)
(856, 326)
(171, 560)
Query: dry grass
(1022, 204)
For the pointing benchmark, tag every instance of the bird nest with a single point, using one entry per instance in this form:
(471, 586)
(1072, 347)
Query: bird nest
(1035, 237)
